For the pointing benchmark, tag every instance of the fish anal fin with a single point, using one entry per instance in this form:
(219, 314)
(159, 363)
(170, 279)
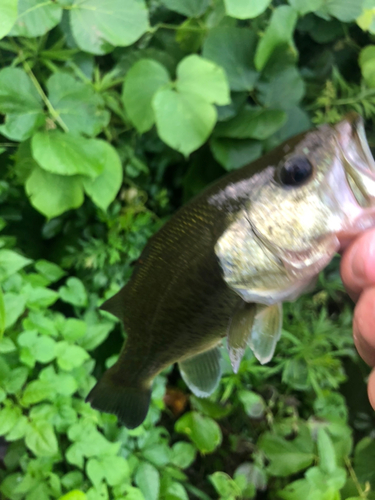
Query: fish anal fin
(202, 372)
(266, 331)
(116, 304)
(239, 332)
(129, 404)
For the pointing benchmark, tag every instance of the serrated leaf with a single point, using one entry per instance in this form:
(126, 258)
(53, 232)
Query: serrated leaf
(97, 27)
(14, 305)
(8, 16)
(279, 32)
(11, 262)
(53, 194)
(78, 105)
(104, 188)
(184, 121)
(95, 335)
(199, 76)
(344, 10)
(74, 292)
(305, 6)
(203, 431)
(52, 272)
(42, 348)
(183, 454)
(37, 391)
(65, 154)
(189, 8)
(2, 315)
(70, 356)
(114, 470)
(147, 479)
(233, 49)
(235, 153)
(243, 9)
(140, 85)
(8, 418)
(41, 439)
(252, 123)
(282, 90)
(224, 485)
(15, 380)
(36, 17)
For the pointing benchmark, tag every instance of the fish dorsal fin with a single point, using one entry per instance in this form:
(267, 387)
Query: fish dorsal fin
(202, 372)
(116, 304)
(239, 332)
(266, 331)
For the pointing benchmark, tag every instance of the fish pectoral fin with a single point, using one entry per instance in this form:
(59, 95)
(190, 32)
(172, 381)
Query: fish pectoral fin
(129, 404)
(202, 372)
(239, 332)
(266, 331)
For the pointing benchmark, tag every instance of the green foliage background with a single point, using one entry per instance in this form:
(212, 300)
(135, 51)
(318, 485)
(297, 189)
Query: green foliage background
(114, 113)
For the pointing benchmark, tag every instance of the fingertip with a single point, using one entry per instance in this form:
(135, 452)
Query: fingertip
(371, 388)
(364, 326)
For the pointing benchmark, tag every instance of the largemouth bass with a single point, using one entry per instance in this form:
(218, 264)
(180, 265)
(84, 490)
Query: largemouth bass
(224, 263)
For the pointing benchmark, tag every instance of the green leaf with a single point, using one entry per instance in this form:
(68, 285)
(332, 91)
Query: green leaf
(41, 439)
(40, 297)
(74, 495)
(74, 292)
(243, 9)
(8, 418)
(183, 454)
(97, 27)
(305, 6)
(234, 153)
(140, 85)
(344, 10)
(104, 188)
(14, 305)
(364, 459)
(279, 32)
(203, 78)
(53, 194)
(73, 329)
(8, 16)
(233, 49)
(37, 391)
(148, 480)
(21, 102)
(252, 123)
(16, 380)
(253, 403)
(326, 452)
(19, 430)
(70, 356)
(189, 8)
(224, 485)
(78, 105)
(367, 64)
(95, 335)
(283, 90)
(203, 431)
(36, 17)
(52, 272)
(114, 470)
(287, 457)
(66, 154)
(2, 314)
(10, 263)
(184, 121)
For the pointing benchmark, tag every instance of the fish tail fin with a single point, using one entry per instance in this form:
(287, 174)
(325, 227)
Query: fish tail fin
(116, 305)
(129, 404)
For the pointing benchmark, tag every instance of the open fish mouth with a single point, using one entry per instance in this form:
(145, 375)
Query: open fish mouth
(357, 194)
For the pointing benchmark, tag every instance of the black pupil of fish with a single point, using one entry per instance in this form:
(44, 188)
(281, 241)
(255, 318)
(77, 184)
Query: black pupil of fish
(295, 172)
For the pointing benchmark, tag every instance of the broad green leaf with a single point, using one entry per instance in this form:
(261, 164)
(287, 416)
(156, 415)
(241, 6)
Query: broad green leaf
(344, 10)
(233, 49)
(147, 478)
(287, 457)
(97, 27)
(252, 123)
(8, 418)
(22, 127)
(78, 105)
(297, 490)
(37, 391)
(235, 153)
(253, 403)
(327, 457)
(74, 292)
(53, 194)
(279, 32)
(14, 305)
(203, 78)
(305, 6)
(245, 9)
(282, 90)
(224, 485)
(70, 356)
(367, 64)
(36, 17)
(189, 8)
(2, 314)
(18, 431)
(52, 272)
(95, 335)
(364, 460)
(7, 345)
(40, 297)
(11, 262)
(141, 83)
(184, 121)
(366, 21)
(104, 188)
(73, 329)
(114, 470)
(41, 439)
(183, 454)
(66, 154)
(16, 379)
(72, 480)
(8, 16)
(74, 495)
(42, 348)
(203, 431)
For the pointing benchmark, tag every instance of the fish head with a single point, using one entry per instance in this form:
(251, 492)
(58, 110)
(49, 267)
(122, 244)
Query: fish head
(320, 196)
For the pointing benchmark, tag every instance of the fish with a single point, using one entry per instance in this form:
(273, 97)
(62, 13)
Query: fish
(224, 263)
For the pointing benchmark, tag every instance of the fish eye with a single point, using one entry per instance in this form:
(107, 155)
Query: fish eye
(295, 171)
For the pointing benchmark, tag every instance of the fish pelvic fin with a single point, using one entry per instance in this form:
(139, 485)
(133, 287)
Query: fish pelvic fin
(129, 404)
(202, 372)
